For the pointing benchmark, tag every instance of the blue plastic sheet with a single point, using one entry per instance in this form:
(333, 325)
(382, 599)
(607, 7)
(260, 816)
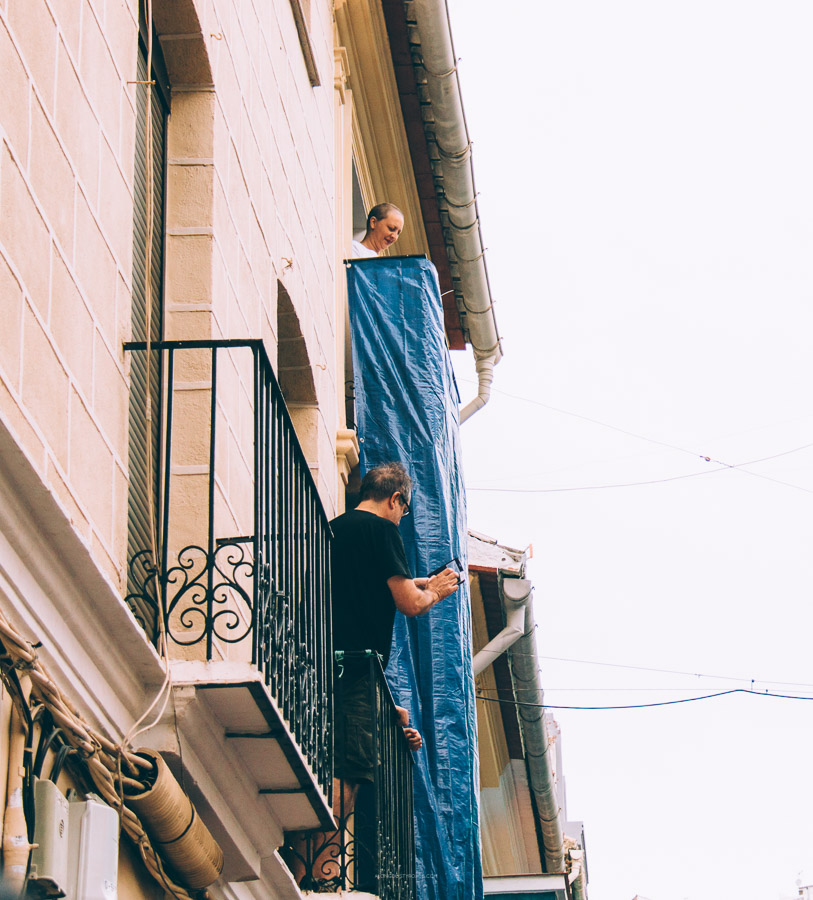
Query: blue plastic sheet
(407, 409)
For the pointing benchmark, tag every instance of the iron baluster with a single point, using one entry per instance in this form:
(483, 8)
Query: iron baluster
(373, 850)
(267, 590)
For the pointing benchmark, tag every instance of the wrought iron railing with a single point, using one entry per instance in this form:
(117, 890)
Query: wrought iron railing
(374, 849)
(243, 536)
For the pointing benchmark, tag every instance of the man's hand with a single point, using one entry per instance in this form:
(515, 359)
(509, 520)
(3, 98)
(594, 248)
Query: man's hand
(413, 739)
(411, 734)
(413, 600)
(443, 584)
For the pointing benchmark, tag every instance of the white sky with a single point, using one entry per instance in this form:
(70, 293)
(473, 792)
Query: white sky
(646, 179)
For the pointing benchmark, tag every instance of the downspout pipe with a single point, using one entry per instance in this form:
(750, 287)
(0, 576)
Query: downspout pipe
(454, 150)
(485, 375)
(516, 595)
(536, 743)
(578, 875)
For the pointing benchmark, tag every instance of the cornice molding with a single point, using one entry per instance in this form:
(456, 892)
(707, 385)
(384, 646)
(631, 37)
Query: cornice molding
(52, 591)
(341, 73)
(380, 147)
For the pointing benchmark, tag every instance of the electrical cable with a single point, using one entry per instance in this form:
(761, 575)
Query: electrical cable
(722, 466)
(520, 703)
(720, 463)
(47, 737)
(63, 753)
(627, 689)
(624, 431)
(592, 662)
(99, 754)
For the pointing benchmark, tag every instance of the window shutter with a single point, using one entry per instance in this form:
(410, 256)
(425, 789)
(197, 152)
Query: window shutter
(145, 373)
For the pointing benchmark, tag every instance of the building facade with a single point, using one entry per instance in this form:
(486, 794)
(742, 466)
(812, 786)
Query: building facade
(180, 181)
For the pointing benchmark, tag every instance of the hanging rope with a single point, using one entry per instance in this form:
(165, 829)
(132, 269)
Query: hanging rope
(101, 756)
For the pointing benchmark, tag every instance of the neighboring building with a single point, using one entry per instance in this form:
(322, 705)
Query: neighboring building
(530, 849)
(175, 206)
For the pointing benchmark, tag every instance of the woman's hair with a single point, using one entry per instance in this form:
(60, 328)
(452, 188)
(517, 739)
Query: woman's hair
(381, 212)
(381, 482)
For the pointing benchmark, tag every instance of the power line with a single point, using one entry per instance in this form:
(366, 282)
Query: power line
(520, 703)
(720, 463)
(624, 431)
(684, 690)
(591, 662)
(722, 466)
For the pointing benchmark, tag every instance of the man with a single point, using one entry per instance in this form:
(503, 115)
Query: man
(385, 223)
(371, 579)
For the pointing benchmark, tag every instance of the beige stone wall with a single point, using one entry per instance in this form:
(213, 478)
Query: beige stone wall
(250, 208)
(250, 203)
(273, 195)
(66, 164)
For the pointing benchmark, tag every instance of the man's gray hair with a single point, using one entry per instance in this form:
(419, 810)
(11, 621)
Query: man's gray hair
(381, 482)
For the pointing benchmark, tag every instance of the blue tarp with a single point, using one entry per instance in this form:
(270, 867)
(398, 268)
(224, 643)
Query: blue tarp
(407, 410)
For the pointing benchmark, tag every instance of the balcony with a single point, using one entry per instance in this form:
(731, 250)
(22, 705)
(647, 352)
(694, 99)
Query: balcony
(373, 852)
(242, 584)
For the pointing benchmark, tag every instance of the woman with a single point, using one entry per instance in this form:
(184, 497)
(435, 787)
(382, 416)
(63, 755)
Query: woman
(384, 225)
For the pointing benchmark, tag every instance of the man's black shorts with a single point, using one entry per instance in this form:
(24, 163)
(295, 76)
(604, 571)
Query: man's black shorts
(353, 739)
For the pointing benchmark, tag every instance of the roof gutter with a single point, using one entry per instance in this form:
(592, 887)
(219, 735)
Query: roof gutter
(452, 164)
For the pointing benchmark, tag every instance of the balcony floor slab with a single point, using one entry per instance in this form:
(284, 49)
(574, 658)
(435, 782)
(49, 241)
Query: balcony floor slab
(237, 698)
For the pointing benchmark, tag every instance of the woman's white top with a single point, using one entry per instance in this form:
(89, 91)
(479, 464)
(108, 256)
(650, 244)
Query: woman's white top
(362, 252)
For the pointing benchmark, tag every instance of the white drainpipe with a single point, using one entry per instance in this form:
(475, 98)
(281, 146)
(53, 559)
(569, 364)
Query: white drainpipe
(485, 375)
(454, 148)
(516, 593)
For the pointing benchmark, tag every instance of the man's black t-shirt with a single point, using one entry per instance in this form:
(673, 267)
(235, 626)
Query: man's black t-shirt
(367, 550)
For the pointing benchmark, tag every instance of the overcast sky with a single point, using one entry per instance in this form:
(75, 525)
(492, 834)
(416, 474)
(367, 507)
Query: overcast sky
(646, 180)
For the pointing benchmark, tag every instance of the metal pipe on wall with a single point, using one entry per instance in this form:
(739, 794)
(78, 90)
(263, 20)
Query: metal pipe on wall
(536, 741)
(514, 625)
(454, 149)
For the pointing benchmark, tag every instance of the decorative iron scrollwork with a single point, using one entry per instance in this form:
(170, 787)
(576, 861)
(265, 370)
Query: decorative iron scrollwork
(269, 588)
(210, 595)
(143, 600)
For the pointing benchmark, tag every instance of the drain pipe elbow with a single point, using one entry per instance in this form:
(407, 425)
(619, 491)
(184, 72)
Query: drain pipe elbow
(485, 375)
(578, 875)
(516, 596)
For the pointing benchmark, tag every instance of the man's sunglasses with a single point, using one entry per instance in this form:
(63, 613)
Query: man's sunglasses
(404, 504)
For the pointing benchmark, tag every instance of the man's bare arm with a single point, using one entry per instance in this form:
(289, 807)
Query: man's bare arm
(412, 600)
